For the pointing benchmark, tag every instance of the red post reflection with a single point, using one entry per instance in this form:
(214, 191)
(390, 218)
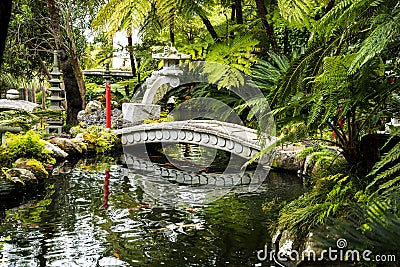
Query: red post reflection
(108, 106)
(106, 192)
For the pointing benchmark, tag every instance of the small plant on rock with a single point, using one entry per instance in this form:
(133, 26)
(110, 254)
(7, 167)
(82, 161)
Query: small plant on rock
(97, 138)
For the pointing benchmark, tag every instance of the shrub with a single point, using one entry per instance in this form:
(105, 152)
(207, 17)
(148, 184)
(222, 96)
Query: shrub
(98, 138)
(25, 145)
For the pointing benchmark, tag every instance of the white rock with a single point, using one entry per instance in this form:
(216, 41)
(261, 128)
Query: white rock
(58, 152)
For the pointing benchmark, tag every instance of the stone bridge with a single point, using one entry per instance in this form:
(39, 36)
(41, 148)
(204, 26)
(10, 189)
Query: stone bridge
(233, 138)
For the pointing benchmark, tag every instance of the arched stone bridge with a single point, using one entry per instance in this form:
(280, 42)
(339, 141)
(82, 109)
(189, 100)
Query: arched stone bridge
(229, 137)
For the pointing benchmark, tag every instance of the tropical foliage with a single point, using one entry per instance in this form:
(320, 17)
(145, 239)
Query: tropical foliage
(28, 145)
(343, 84)
(328, 69)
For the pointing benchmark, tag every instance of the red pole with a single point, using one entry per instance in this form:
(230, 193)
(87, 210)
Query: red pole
(108, 106)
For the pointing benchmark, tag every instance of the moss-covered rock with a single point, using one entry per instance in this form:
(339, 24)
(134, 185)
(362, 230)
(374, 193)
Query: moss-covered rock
(20, 176)
(67, 145)
(80, 141)
(286, 160)
(34, 166)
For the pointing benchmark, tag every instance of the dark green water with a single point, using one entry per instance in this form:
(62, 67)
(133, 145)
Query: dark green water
(70, 224)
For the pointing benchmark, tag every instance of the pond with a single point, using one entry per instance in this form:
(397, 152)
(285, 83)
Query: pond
(85, 217)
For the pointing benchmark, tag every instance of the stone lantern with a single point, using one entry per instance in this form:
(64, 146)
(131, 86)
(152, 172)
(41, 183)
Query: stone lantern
(171, 75)
(55, 124)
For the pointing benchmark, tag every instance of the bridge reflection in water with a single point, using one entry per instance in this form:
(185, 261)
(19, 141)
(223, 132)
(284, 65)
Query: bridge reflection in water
(175, 186)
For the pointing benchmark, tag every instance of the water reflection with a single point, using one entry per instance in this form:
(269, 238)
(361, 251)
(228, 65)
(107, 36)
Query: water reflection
(185, 186)
(106, 189)
(69, 227)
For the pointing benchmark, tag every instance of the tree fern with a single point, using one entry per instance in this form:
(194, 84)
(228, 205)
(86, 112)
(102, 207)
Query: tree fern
(374, 225)
(329, 88)
(385, 31)
(386, 172)
(299, 13)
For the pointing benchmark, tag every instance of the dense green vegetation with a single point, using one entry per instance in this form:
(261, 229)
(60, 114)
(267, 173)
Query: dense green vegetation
(329, 70)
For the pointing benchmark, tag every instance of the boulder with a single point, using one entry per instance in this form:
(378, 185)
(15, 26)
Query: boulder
(57, 152)
(21, 176)
(66, 145)
(99, 118)
(93, 106)
(80, 141)
(34, 166)
(287, 160)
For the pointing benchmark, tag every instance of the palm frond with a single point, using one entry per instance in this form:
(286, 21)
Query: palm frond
(307, 65)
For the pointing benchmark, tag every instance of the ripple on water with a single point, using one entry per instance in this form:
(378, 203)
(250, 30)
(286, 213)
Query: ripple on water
(75, 231)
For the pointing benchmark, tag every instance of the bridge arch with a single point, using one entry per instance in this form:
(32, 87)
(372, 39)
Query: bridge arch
(233, 138)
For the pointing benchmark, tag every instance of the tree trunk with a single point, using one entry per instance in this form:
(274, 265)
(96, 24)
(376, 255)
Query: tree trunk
(262, 13)
(70, 68)
(172, 26)
(73, 55)
(172, 35)
(79, 80)
(138, 71)
(239, 11)
(54, 21)
(5, 14)
(72, 93)
(209, 27)
(131, 57)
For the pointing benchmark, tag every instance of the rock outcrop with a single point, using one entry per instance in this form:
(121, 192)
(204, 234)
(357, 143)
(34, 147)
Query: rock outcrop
(286, 159)
(67, 145)
(34, 166)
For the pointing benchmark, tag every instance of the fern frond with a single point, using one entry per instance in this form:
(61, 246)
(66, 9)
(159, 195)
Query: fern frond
(345, 14)
(374, 225)
(386, 171)
(299, 13)
(385, 31)
(293, 80)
